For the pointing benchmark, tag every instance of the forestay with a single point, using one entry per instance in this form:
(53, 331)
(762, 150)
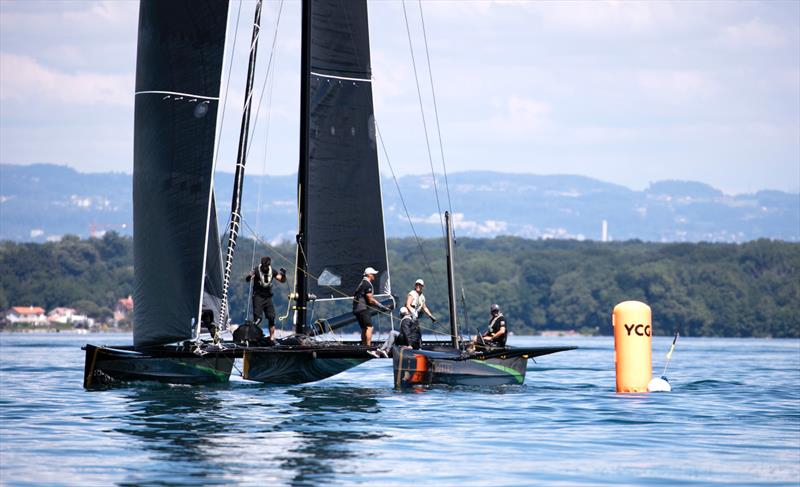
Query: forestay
(178, 68)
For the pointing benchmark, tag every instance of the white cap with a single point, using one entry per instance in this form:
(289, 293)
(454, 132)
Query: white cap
(420, 282)
(404, 311)
(370, 270)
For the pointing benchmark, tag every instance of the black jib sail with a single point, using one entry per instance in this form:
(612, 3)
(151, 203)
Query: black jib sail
(340, 196)
(212, 285)
(178, 69)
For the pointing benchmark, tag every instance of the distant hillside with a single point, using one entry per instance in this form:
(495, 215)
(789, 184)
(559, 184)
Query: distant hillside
(752, 289)
(42, 201)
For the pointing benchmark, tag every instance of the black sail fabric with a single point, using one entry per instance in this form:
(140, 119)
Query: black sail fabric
(344, 225)
(178, 69)
(212, 286)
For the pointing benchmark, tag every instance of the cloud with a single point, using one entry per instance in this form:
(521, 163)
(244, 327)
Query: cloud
(24, 79)
(514, 117)
(753, 33)
(90, 36)
(611, 16)
(675, 86)
(470, 227)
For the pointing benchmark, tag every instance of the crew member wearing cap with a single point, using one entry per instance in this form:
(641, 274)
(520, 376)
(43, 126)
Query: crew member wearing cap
(363, 300)
(497, 333)
(408, 336)
(415, 302)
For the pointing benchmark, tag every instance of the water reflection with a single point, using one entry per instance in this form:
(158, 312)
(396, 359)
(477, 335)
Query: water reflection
(177, 425)
(332, 426)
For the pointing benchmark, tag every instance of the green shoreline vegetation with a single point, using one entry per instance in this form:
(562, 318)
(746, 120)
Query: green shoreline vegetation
(705, 289)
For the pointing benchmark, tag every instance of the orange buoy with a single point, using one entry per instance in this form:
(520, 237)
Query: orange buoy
(633, 352)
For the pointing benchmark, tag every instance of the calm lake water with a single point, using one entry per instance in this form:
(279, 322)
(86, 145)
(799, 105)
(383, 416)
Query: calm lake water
(733, 418)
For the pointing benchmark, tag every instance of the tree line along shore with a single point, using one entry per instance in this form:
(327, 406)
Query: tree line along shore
(704, 289)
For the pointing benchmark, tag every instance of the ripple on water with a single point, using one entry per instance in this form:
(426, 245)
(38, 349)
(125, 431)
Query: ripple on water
(731, 423)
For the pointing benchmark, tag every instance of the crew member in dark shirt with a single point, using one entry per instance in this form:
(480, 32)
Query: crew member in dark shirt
(263, 277)
(497, 333)
(363, 300)
(408, 336)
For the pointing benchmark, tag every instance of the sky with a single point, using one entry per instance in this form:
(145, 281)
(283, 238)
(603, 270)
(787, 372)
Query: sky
(623, 91)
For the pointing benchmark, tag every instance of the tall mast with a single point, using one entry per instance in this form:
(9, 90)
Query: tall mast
(301, 278)
(451, 282)
(241, 160)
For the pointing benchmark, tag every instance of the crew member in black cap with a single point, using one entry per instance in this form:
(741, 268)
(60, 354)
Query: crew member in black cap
(497, 333)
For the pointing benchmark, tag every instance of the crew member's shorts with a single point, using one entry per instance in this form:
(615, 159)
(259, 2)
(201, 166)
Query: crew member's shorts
(363, 319)
(263, 305)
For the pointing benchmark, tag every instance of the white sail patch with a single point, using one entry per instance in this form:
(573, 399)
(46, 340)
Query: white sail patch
(328, 278)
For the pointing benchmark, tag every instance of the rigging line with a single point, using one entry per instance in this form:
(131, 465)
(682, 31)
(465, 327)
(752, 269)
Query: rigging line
(241, 160)
(227, 83)
(269, 69)
(435, 109)
(424, 124)
(224, 104)
(306, 273)
(211, 193)
(263, 175)
(405, 208)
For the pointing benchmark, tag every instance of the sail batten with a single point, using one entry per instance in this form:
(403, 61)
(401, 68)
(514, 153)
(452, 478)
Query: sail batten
(178, 68)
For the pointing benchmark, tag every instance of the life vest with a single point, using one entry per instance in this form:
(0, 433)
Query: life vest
(501, 341)
(417, 303)
(264, 281)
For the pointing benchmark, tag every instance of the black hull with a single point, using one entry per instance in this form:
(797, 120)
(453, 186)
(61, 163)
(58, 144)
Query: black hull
(108, 367)
(506, 366)
(300, 364)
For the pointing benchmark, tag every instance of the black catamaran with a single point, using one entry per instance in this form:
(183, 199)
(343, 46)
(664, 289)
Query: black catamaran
(457, 363)
(177, 260)
(340, 212)
(181, 281)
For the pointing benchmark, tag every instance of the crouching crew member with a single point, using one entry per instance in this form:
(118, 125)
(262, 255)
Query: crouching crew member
(408, 336)
(263, 277)
(410, 333)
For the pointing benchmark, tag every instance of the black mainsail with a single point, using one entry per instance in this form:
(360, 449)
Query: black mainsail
(341, 217)
(178, 70)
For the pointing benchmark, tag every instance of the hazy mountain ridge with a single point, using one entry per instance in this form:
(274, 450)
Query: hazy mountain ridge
(44, 201)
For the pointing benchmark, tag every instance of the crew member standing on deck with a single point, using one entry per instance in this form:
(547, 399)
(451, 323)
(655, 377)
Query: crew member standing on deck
(263, 277)
(415, 302)
(363, 300)
(497, 333)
